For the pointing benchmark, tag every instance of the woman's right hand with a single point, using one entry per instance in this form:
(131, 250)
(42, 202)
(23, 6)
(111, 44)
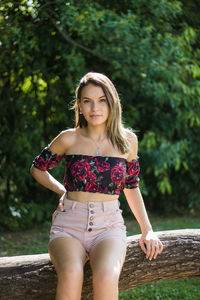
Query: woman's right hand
(59, 208)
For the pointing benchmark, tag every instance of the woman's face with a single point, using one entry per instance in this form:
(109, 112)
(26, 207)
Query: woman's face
(94, 105)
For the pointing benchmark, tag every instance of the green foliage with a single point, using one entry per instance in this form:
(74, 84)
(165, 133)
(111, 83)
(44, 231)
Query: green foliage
(151, 52)
(184, 289)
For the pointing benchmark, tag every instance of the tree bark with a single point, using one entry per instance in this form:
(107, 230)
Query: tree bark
(34, 277)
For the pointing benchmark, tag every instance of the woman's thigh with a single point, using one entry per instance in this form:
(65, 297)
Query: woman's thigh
(108, 256)
(66, 252)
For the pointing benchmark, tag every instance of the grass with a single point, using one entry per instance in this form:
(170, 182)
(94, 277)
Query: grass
(185, 289)
(35, 241)
(32, 241)
(164, 223)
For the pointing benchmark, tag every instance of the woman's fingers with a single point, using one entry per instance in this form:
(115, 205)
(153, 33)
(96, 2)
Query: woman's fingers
(53, 216)
(156, 252)
(61, 205)
(151, 245)
(153, 249)
(142, 245)
(150, 250)
(59, 208)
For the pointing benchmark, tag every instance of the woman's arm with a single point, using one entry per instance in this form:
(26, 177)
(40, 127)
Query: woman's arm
(149, 242)
(47, 180)
(136, 204)
(58, 146)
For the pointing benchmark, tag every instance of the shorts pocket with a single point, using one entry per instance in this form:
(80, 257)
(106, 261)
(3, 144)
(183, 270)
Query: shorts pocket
(118, 216)
(61, 216)
(113, 217)
(66, 210)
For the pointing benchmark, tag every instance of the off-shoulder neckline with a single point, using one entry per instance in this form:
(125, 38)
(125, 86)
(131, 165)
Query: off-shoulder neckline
(107, 156)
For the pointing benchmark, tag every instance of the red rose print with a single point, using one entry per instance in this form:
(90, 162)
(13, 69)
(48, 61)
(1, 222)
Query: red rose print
(118, 174)
(118, 190)
(40, 163)
(47, 160)
(91, 177)
(133, 167)
(91, 187)
(66, 182)
(102, 166)
(68, 163)
(70, 186)
(80, 170)
(132, 181)
(52, 164)
(106, 190)
(100, 189)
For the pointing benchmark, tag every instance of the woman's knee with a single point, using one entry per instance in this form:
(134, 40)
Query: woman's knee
(70, 272)
(70, 280)
(106, 276)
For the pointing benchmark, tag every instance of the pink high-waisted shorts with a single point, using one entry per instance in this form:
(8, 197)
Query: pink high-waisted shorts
(89, 222)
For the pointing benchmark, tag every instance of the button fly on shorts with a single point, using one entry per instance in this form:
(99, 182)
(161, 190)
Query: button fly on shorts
(90, 216)
(89, 222)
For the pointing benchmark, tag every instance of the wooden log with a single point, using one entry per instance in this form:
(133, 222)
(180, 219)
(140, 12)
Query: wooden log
(33, 276)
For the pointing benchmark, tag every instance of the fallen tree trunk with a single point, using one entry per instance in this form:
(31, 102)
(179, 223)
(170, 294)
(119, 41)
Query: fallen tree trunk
(33, 276)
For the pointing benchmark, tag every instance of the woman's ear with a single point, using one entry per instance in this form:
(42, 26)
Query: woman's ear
(79, 107)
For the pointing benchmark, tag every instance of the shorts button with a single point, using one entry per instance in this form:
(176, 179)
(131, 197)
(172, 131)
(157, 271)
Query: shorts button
(89, 229)
(91, 205)
(92, 212)
(91, 218)
(90, 223)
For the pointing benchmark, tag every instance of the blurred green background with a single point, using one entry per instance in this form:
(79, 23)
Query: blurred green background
(149, 49)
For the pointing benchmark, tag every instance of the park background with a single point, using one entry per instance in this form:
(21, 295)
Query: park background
(151, 51)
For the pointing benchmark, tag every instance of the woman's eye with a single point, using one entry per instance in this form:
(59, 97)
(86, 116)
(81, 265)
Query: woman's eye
(85, 101)
(103, 100)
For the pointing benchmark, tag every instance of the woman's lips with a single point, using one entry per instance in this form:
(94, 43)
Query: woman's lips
(95, 116)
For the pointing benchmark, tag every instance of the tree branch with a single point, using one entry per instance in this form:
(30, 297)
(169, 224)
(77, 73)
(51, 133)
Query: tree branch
(75, 44)
(33, 276)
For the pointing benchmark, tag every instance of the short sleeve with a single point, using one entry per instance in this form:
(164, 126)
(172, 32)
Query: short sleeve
(46, 160)
(132, 172)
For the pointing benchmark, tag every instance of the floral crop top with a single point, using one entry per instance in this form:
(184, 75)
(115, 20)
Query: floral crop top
(87, 173)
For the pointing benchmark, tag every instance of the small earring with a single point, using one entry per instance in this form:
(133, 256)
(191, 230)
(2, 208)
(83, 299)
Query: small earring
(81, 112)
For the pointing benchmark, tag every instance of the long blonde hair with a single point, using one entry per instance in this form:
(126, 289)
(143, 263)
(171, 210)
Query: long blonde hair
(115, 129)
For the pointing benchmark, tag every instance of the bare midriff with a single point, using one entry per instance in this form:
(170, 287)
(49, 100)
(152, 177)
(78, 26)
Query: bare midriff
(90, 197)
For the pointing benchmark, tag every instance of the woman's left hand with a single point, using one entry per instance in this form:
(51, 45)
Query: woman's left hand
(151, 245)
(59, 208)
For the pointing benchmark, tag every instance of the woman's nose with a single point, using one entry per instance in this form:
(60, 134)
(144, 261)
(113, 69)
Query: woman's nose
(94, 106)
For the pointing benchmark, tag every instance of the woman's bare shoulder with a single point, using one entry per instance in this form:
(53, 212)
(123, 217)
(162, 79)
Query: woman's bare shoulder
(63, 141)
(68, 133)
(133, 140)
(131, 136)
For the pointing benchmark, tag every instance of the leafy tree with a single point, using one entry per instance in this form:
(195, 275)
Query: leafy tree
(151, 52)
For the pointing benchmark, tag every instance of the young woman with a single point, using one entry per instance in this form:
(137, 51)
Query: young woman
(101, 161)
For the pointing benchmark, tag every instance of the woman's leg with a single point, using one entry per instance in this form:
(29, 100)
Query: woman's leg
(106, 259)
(68, 257)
